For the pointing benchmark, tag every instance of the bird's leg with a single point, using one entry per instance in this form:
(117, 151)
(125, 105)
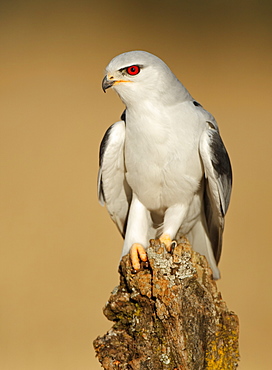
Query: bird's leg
(136, 239)
(173, 219)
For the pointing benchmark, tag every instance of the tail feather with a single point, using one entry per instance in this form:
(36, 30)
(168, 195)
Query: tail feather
(201, 243)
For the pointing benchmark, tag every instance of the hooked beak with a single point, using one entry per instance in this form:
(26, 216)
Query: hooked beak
(107, 83)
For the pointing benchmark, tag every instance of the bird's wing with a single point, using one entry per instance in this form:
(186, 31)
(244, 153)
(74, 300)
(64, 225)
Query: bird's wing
(113, 190)
(218, 182)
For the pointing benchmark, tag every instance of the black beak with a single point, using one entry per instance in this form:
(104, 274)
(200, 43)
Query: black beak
(106, 83)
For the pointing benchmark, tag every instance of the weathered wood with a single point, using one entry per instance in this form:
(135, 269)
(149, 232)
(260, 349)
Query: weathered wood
(168, 316)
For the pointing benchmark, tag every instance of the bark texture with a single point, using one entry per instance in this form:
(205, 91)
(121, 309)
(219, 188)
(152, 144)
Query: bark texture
(168, 316)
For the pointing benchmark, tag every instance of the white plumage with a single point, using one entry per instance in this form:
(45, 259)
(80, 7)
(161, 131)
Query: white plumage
(164, 170)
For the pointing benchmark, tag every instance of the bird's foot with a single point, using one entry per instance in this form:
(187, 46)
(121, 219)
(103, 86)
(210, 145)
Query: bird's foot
(167, 241)
(137, 256)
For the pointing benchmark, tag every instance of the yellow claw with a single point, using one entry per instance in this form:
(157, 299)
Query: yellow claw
(137, 254)
(167, 241)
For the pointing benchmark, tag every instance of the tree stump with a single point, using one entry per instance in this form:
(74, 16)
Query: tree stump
(168, 316)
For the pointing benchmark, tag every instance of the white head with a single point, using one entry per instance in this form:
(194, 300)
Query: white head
(138, 75)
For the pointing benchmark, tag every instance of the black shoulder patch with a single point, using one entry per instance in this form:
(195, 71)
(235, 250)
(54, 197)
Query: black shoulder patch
(222, 168)
(220, 159)
(103, 144)
(196, 104)
(123, 116)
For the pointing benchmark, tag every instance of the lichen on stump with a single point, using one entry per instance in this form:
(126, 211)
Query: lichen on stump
(168, 316)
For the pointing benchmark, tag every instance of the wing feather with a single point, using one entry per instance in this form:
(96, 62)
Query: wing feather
(113, 189)
(218, 184)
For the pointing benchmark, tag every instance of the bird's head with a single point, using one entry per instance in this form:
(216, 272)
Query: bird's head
(138, 75)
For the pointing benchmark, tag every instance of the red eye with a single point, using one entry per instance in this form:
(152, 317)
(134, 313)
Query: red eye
(133, 70)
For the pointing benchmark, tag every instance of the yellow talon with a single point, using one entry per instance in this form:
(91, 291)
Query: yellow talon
(167, 241)
(137, 253)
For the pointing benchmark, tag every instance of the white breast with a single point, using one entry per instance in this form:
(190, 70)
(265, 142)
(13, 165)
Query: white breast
(161, 154)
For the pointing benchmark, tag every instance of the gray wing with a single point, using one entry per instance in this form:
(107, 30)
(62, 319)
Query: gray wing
(113, 190)
(218, 183)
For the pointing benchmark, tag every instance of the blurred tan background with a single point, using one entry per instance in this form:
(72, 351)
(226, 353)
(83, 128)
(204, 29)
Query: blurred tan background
(59, 248)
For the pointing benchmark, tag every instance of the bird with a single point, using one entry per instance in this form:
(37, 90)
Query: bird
(163, 168)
